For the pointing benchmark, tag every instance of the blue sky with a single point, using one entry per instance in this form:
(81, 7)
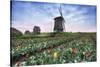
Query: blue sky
(78, 18)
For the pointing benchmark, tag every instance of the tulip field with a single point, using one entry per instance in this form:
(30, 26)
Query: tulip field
(74, 48)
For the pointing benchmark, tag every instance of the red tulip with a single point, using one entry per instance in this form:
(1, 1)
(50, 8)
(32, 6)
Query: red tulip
(87, 54)
(26, 56)
(17, 63)
(73, 50)
(49, 50)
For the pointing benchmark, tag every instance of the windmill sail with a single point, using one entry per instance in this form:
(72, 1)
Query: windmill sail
(60, 11)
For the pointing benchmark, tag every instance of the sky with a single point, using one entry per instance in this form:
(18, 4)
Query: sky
(27, 14)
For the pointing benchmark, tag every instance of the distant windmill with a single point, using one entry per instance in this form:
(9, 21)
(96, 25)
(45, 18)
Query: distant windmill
(59, 22)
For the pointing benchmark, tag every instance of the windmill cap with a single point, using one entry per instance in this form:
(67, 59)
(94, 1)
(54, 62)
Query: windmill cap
(60, 17)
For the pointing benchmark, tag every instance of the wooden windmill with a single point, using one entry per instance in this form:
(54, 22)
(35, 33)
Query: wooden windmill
(59, 22)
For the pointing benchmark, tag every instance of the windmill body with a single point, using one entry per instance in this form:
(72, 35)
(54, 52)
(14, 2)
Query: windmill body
(58, 25)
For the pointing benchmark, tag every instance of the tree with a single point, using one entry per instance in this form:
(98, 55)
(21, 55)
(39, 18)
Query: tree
(27, 32)
(15, 32)
(36, 30)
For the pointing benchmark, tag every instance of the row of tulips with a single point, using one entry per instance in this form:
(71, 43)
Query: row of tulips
(78, 50)
(73, 52)
(27, 46)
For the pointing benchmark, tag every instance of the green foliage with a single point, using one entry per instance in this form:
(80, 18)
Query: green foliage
(56, 50)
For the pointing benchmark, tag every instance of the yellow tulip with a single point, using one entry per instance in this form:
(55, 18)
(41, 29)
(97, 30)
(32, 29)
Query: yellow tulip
(55, 55)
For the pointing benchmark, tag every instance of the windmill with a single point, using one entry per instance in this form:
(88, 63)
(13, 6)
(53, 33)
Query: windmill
(59, 22)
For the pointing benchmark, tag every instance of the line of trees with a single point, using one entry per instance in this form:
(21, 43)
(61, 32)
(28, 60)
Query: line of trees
(17, 33)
